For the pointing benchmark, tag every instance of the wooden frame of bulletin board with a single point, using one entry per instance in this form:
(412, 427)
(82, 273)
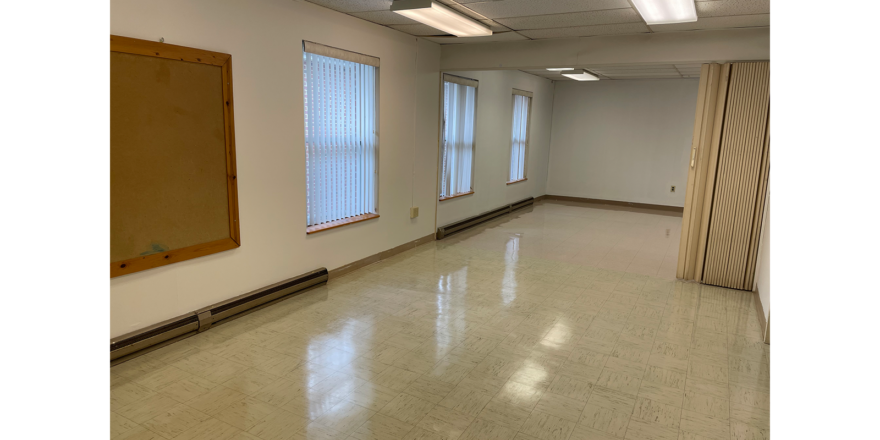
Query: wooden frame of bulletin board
(173, 187)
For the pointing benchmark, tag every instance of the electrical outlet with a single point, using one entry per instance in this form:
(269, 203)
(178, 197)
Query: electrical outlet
(414, 212)
(672, 188)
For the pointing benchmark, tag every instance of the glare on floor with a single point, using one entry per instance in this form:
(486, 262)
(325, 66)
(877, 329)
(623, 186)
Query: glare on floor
(563, 322)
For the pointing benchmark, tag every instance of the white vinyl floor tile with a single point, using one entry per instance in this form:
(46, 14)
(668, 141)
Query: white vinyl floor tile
(564, 321)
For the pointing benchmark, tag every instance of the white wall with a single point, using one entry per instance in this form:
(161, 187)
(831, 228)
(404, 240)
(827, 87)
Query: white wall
(492, 163)
(264, 38)
(622, 140)
(683, 47)
(762, 272)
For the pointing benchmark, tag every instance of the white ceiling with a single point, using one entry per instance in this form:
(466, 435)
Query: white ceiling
(516, 20)
(629, 71)
(539, 19)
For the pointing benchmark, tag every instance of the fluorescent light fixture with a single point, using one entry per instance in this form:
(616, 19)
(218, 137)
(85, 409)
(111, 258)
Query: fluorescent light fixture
(556, 69)
(666, 11)
(580, 75)
(440, 17)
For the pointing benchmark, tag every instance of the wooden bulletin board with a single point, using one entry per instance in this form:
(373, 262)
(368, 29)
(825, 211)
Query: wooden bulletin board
(173, 192)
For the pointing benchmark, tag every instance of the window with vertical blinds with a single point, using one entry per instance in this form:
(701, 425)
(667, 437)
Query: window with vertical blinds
(341, 131)
(457, 148)
(519, 144)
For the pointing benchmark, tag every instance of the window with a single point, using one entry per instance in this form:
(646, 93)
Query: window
(457, 148)
(519, 144)
(341, 130)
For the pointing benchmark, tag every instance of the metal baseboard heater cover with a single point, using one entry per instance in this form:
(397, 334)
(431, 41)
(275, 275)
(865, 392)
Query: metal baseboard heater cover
(445, 231)
(142, 341)
(522, 204)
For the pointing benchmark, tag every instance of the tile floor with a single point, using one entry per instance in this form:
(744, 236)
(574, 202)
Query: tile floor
(564, 322)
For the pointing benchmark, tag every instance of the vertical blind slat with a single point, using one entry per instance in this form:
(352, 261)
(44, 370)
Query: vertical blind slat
(519, 135)
(308, 100)
(341, 140)
(459, 114)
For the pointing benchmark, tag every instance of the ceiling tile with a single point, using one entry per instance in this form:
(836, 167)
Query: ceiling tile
(558, 18)
(521, 8)
(644, 76)
(465, 11)
(609, 16)
(384, 17)
(354, 5)
(417, 29)
(671, 71)
(720, 8)
(476, 16)
(500, 36)
(627, 67)
(634, 74)
(496, 27)
(541, 73)
(544, 73)
(629, 72)
(630, 66)
(734, 21)
(586, 31)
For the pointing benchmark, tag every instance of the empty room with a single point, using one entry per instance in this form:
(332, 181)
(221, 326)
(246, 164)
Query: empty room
(452, 219)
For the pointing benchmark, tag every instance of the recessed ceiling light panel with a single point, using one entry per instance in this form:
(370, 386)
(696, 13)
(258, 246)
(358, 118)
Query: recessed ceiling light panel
(556, 69)
(579, 75)
(440, 17)
(666, 11)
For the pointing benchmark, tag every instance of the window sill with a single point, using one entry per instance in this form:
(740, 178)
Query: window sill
(335, 224)
(457, 195)
(517, 181)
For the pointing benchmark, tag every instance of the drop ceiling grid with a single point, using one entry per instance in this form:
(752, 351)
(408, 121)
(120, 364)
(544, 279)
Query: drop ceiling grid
(628, 71)
(540, 19)
(513, 20)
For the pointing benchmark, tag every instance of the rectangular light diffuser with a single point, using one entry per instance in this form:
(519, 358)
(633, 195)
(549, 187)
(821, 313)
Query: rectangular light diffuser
(556, 69)
(440, 17)
(579, 75)
(666, 11)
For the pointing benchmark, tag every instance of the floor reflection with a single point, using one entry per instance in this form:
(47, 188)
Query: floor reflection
(563, 322)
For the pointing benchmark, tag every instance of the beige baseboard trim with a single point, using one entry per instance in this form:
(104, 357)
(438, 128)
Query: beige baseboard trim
(540, 198)
(375, 258)
(765, 324)
(677, 209)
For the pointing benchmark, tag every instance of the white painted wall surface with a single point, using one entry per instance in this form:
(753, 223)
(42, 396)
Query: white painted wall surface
(622, 140)
(762, 272)
(494, 124)
(682, 47)
(265, 40)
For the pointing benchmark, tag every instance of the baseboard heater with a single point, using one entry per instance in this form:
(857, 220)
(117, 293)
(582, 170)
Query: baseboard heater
(522, 204)
(142, 341)
(445, 231)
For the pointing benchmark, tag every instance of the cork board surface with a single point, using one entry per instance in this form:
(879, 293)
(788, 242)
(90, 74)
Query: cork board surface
(168, 178)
